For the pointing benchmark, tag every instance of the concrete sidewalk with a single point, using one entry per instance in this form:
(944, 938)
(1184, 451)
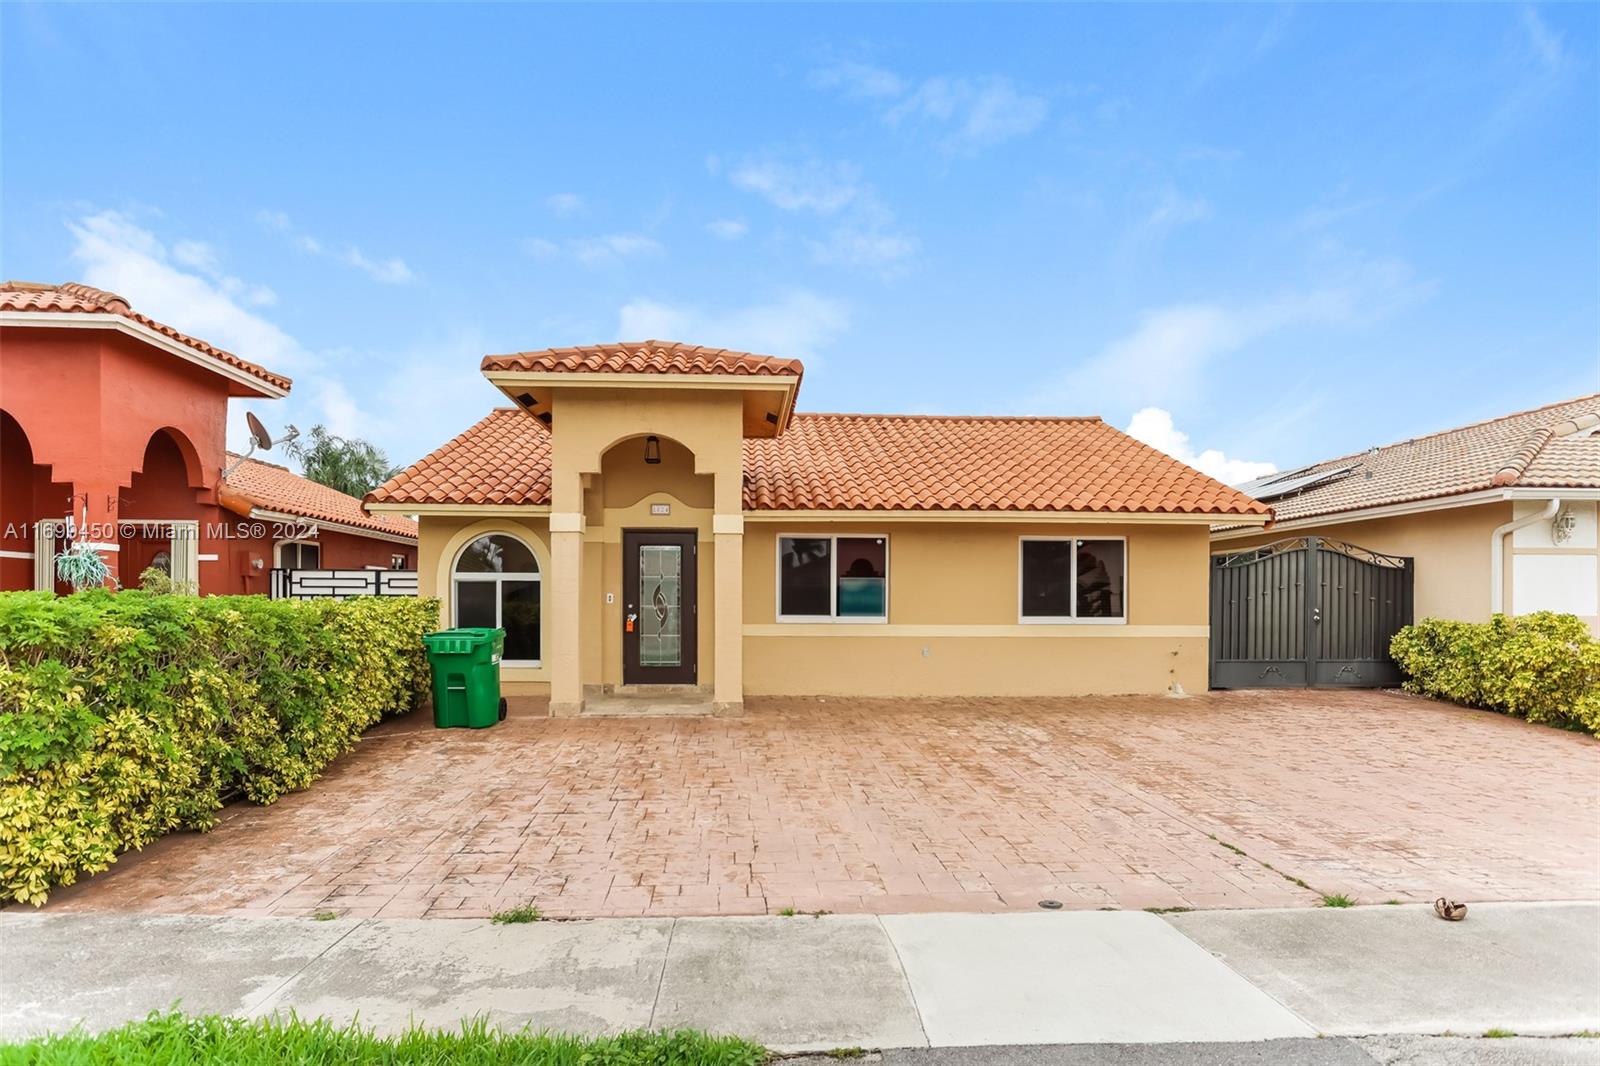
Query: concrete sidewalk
(804, 983)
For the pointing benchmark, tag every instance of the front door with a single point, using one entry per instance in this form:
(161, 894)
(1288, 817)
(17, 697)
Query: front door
(658, 607)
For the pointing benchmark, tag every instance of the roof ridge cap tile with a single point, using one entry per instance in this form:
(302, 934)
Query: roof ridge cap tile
(1517, 465)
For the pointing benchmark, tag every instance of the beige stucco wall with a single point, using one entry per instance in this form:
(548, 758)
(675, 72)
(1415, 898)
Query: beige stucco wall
(621, 499)
(441, 540)
(1451, 548)
(954, 626)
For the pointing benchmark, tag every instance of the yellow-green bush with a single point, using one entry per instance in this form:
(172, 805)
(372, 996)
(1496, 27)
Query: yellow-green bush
(1544, 667)
(126, 716)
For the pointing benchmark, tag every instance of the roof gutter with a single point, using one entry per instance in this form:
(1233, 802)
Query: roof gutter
(1497, 552)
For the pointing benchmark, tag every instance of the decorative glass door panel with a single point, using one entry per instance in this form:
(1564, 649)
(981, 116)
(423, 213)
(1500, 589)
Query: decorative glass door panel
(661, 612)
(659, 623)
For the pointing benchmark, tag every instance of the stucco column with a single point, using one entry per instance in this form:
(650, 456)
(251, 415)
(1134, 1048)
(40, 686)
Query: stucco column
(565, 600)
(727, 531)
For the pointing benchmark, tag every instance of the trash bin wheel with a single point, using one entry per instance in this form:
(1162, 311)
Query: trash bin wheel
(502, 708)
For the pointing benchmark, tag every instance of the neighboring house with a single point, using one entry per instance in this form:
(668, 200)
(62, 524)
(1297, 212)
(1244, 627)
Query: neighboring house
(112, 433)
(656, 513)
(347, 537)
(1499, 515)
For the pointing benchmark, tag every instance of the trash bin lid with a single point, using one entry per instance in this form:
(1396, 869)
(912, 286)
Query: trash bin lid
(459, 641)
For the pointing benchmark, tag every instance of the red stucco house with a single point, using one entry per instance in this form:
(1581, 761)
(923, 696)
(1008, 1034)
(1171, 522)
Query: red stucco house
(113, 433)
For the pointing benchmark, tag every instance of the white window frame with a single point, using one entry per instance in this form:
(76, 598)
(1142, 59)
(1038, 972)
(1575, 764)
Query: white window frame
(832, 617)
(278, 546)
(1073, 619)
(536, 577)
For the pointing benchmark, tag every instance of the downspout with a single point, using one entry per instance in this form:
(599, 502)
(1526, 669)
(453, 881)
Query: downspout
(1497, 549)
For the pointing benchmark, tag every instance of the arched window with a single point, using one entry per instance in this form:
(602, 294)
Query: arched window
(497, 586)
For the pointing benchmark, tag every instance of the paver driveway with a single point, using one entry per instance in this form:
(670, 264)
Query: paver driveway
(1218, 800)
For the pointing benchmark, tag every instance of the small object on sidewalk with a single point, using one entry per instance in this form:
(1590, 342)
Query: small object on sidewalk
(1449, 909)
(1050, 904)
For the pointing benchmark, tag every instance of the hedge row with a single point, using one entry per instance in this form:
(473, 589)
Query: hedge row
(1543, 667)
(126, 716)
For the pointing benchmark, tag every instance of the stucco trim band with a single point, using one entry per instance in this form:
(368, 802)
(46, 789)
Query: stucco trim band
(1202, 518)
(566, 522)
(573, 379)
(1069, 629)
(529, 510)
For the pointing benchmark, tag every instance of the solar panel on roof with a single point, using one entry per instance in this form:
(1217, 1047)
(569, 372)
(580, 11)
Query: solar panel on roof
(1274, 486)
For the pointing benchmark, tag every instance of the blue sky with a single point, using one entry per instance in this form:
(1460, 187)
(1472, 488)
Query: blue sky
(1271, 233)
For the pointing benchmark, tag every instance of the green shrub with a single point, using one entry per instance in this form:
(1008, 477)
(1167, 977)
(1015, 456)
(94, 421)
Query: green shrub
(126, 716)
(1544, 667)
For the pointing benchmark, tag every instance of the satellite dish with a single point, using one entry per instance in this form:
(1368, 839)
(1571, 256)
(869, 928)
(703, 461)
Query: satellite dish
(258, 433)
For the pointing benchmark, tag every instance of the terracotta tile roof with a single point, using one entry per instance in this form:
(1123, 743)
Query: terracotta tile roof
(1542, 448)
(505, 458)
(646, 357)
(868, 462)
(926, 463)
(83, 299)
(275, 488)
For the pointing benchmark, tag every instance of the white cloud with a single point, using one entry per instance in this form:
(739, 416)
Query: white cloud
(971, 112)
(197, 254)
(204, 258)
(807, 185)
(1154, 426)
(116, 254)
(798, 324)
(727, 229)
(604, 250)
(564, 204)
(1546, 45)
(978, 112)
(866, 245)
(1170, 355)
(1176, 209)
(390, 271)
(861, 81)
(864, 233)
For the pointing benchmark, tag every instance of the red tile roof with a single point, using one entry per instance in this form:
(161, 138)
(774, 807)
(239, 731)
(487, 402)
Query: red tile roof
(869, 463)
(1546, 447)
(72, 297)
(645, 357)
(937, 463)
(276, 488)
(504, 459)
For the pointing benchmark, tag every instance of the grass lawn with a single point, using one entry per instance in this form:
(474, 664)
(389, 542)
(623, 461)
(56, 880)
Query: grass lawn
(174, 1040)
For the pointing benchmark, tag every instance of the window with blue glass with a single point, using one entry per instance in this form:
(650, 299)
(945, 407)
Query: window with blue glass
(833, 578)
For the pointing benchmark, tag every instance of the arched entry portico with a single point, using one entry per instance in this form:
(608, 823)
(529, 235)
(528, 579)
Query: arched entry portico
(645, 545)
(28, 496)
(156, 527)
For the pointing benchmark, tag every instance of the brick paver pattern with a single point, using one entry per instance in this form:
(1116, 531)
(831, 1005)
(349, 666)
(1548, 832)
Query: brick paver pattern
(1218, 800)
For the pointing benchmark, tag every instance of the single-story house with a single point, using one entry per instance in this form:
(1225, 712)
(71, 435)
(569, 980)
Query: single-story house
(113, 434)
(1500, 516)
(660, 514)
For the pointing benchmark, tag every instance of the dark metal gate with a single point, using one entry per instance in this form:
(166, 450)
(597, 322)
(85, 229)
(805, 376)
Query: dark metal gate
(1307, 612)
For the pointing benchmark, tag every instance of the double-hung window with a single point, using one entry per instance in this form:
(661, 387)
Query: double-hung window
(833, 579)
(1074, 579)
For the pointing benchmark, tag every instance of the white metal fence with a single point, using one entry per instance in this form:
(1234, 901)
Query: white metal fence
(341, 584)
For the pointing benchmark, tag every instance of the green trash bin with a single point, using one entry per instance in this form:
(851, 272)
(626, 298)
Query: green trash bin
(466, 677)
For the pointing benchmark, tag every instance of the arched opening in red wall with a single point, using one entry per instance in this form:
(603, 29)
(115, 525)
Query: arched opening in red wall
(165, 489)
(27, 495)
